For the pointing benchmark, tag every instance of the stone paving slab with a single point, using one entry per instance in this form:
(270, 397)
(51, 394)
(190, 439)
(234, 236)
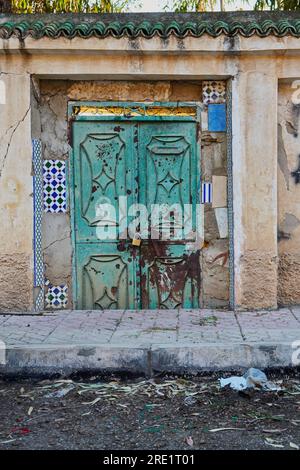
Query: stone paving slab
(147, 340)
(279, 325)
(296, 312)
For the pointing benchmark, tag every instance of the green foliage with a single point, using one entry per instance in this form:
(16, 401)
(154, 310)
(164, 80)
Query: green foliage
(287, 5)
(184, 6)
(117, 6)
(69, 6)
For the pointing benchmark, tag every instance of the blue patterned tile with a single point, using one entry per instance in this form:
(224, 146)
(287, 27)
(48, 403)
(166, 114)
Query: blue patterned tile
(37, 221)
(39, 301)
(54, 176)
(56, 297)
(213, 91)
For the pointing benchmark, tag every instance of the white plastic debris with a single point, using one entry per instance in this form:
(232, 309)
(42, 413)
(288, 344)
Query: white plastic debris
(253, 378)
(236, 383)
(257, 378)
(61, 393)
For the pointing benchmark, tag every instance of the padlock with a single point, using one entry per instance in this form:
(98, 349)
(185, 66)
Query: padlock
(136, 241)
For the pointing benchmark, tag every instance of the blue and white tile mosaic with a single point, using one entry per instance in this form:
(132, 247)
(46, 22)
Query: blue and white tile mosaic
(213, 91)
(206, 195)
(56, 297)
(39, 301)
(54, 176)
(37, 221)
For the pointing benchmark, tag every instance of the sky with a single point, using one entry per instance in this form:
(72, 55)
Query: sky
(158, 5)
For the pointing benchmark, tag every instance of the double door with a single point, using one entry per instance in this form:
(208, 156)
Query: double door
(135, 214)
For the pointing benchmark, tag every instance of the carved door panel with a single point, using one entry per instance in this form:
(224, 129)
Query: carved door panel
(154, 164)
(170, 269)
(104, 166)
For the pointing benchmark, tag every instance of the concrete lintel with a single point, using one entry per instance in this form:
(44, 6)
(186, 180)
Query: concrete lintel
(138, 46)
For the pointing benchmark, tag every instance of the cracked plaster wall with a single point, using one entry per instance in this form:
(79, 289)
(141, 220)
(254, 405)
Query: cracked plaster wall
(57, 248)
(56, 231)
(288, 197)
(215, 253)
(16, 260)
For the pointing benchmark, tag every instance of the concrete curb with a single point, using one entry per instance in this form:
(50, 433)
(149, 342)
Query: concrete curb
(46, 360)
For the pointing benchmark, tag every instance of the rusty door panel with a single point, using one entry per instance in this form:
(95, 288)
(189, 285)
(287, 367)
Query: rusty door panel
(168, 174)
(170, 276)
(104, 166)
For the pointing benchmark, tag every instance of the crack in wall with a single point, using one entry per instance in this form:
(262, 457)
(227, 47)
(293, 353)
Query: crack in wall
(15, 128)
(55, 241)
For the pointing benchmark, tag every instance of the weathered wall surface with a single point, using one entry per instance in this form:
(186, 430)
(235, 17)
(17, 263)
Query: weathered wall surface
(288, 194)
(215, 253)
(57, 248)
(255, 66)
(56, 229)
(254, 155)
(121, 90)
(16, 214)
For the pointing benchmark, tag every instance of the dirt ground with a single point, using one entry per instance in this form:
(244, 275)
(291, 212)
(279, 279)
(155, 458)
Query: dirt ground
(169, 413)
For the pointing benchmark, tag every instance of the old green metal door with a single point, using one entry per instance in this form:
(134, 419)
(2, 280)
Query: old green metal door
(156, 165)
(104, 169)
(170, 269)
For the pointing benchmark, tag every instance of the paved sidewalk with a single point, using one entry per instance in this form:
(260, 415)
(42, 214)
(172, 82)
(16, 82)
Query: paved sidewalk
(147, 341)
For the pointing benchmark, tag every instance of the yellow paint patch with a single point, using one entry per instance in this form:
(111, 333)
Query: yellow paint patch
(134, 111)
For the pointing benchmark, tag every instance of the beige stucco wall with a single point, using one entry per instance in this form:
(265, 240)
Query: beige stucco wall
(255, 66)
(255, 186)
(288, 194)
(16, 266)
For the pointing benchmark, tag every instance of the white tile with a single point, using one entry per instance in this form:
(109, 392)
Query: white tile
(222, 221)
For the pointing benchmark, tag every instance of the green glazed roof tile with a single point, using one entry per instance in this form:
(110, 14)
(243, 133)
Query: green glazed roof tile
(150, 24)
